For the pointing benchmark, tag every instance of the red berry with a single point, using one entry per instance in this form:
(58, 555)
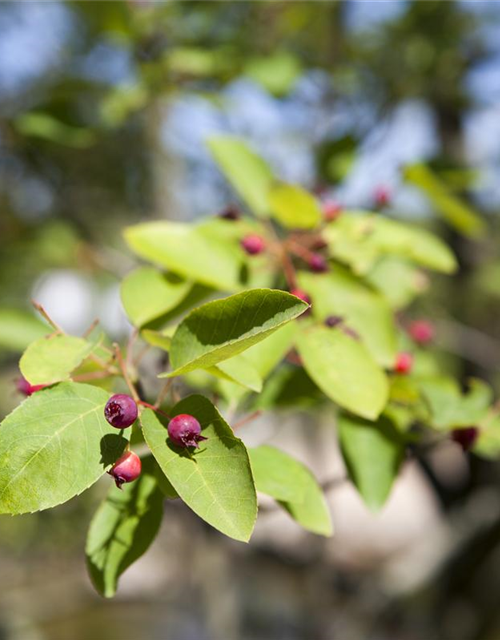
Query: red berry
(331, 210)
(404, 362)
(465, 437)
(422, 331)
(253, 244)
(185, 431)
(299, 293)
(27, 389)
(382, 196)
(317, 263)
(126, 469)
(120, 411)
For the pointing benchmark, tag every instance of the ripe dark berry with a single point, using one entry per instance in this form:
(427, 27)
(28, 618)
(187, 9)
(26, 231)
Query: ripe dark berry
(120, 411)
(465, 437)
(333, 321)
(253, 244)
(126, 469)
(422, 331)
(382, 196)
(230, 213)
(185, 431)
(299, 293)
(317, 263)
(27, 389)
(404, 362)
(331, 210)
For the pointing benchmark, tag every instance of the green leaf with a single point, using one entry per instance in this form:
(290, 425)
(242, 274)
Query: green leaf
(223, 328)
(454, 210)
(55, 445)
(45, 126)
(398, 281)
(364, 310)
(488, 442)
(190, 251)
(216, 480)
(123, 528)
(294, 207)
(52, 359)
(359, 239)
(344, 370)
(277, 73)
(18, 329)
(373, 453)
(147, 294)
(238, 369)
(247, 172)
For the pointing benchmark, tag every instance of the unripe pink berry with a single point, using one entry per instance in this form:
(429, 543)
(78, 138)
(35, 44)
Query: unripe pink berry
(27, 389)
(300, 293)
(382, 196)
(185, 431)
(331, 210)
(253, 244)
(404, 362)
(422, 331)
(465, 437)
(126, 469)
(317, 263)
(120, 411)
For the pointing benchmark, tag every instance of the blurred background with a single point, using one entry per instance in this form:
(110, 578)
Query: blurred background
(105, 109)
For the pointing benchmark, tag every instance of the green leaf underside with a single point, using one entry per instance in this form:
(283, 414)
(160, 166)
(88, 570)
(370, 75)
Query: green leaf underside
(247, 172)
(55, 445)
(218, 330)
(147, 294)
(123, 528)
(359, 239)
(344, 370)
(294, 487)
(397, 280)
(364, 310)
(19, 328)
(215, 481)
(373, 455)
(190, 251)
(52, 359)
(294, 207)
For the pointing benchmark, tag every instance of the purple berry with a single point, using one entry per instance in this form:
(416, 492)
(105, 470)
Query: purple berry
(317, 263)
(230, 213)
(253, 244)
(126, 469)
(185, 431)
(465, 437)
(27, 389)
(120, 411)
(333, 321)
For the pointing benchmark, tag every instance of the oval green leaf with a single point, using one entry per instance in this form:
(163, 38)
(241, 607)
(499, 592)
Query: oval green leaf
(55, 445)
(294, 207)
(218, 330)
(344, 370)
(216, 480)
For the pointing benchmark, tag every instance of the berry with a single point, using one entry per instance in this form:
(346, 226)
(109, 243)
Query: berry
(230, 213)
(465, 437)
(120, 411)
(317, 263)
(253, 244)
(185, 431)
(299, 293)
(126, 469)
(382, 196)
(404, 362)
(422, 331)
(333, 321)
(331, 210)
(27, 389)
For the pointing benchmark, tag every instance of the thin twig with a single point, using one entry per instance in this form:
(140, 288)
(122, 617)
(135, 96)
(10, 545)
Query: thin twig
(123, 368)
(41, 311)
(91, 328)
(153, 408)
(163, 392)
(93, 375)
(247, 419)
(130, 346)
